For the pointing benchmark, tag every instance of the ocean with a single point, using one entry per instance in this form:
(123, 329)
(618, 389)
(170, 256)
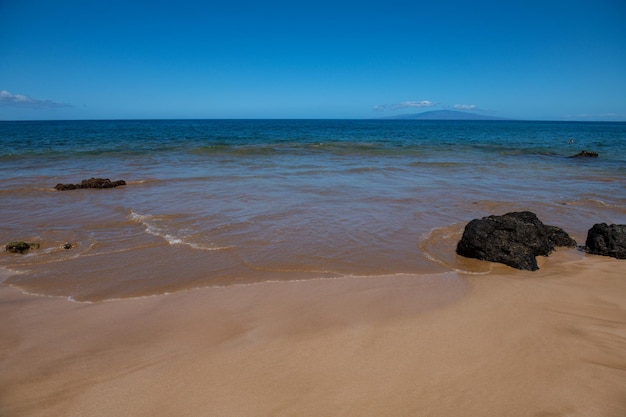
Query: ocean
(239, 202)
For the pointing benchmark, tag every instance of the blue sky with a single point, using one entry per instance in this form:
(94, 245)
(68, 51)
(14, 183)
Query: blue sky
(82, 59)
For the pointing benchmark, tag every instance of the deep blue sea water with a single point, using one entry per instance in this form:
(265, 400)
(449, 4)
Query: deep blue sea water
(220, 202)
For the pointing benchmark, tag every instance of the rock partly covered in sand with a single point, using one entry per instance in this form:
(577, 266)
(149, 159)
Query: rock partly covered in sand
(607, 240)
(514, 239)
(91, 183)
(585, 154)
(20, 247)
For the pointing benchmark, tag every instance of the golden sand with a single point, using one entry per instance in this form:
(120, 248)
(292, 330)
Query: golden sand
(508, 343)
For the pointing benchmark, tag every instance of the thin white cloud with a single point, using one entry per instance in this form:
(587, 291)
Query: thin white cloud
(405, 105)
(21, 100)
(465, 107)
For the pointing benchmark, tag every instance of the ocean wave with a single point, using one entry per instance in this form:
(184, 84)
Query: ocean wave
(439, 276)
(332, 147)
(54, 252)
(5, 273)
(158, 226)
(593, 202)
(439, 246)
(25, 190)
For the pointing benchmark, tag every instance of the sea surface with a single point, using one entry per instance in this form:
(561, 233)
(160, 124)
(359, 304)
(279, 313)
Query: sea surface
(231, 202)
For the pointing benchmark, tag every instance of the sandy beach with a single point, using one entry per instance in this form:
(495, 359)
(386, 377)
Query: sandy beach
(257, 209)
(549, 343)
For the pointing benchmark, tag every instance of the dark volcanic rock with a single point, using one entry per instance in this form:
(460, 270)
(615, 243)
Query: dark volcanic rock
(514, 239)
(64, 187)
(585, 154)
(20, 247)
(607, 240)
(101, 183)
(91, 183)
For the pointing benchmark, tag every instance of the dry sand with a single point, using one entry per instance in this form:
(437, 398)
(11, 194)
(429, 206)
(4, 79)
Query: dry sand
(549, 343)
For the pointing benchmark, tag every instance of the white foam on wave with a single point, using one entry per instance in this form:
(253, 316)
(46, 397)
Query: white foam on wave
(150, 223)
(38, 294)
(72, 299)
(441, 275)
(7, 272)
(593, 202)
(602, 203)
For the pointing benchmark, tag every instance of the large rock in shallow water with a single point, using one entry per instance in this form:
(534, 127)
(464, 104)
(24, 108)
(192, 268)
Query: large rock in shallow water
(91, 183)
(607, 240)
(514, 239)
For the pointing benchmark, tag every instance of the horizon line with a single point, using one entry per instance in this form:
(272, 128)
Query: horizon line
(388, 118)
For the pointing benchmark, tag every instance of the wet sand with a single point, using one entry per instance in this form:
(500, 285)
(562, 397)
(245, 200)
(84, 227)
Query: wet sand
(508, 343)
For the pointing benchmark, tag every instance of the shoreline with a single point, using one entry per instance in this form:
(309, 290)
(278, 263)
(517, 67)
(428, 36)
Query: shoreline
(551, 342)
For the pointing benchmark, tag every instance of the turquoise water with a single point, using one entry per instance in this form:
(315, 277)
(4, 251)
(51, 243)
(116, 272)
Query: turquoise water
(218, 202)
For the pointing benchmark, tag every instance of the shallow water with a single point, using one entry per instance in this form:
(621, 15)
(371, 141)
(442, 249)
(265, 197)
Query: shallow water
(215, 202)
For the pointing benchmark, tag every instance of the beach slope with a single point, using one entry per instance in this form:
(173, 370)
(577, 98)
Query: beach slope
(550, 343)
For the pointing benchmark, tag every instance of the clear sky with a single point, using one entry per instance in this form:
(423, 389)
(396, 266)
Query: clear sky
(526, 59)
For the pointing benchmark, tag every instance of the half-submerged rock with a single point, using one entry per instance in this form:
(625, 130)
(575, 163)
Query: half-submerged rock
(585, 154)
(91, 183)
(20, 247)
(607, 240)
(514, 239)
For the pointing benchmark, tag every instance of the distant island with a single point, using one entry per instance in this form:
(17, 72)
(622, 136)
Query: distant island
(443, 115)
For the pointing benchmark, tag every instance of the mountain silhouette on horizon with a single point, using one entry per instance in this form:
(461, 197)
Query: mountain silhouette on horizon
(443, 115)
